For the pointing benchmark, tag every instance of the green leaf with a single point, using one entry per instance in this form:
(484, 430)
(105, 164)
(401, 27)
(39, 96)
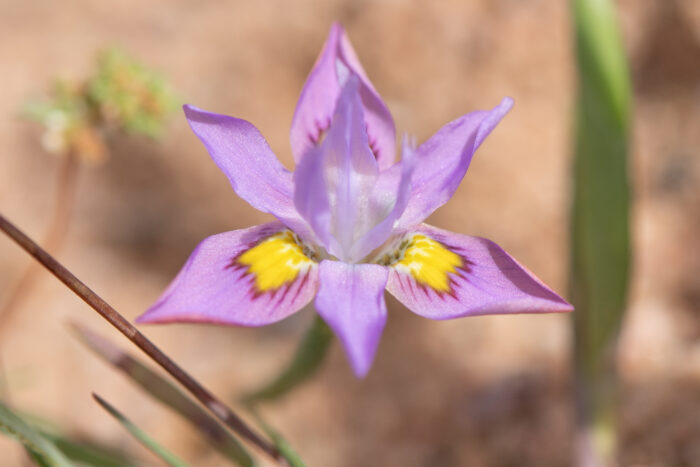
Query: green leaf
(281, 444)
(600, 233)
(150, 444)
(600, 222)
(79, 450)
(162, 390)
(37, 458)
(39, 446)
(306, 361)
(90, 454)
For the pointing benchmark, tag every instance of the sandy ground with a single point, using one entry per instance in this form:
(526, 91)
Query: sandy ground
(490, 391)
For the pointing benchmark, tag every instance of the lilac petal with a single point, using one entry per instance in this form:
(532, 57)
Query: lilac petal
(351, 300)
(392, 189)
(334, 183)
(488, 281)
(443, 160)
(214, 286)
(311, 197)
(242, 153)
(317, 101)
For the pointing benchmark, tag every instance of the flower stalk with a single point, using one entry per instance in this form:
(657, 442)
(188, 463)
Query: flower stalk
(122, 96)
(307, 360)
(53, 238)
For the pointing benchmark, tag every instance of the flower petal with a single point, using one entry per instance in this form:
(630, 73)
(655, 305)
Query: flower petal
(249, 277)
(242, 153)
(334, 183)
(443, 160)
(317, 101)
(351, 300)
(443, 275)
(391, 193)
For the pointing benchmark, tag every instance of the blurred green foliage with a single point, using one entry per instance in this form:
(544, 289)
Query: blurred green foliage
(129, 94)
(122, 95)
(600, 234)
(149, 443)
(39, 447)
(166, 393)
(306, 361)
(284, 448)
(76, 449)
(125, 96)
(88, 453)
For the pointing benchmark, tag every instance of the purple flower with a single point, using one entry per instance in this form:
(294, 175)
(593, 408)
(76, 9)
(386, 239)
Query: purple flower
(349, 221)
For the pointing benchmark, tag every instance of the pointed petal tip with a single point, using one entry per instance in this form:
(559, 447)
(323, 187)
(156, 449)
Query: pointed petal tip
(142, 318)
(241, 152)
(552, 304)
(192, 112)
(360, 359)
(565, 307)
(507, 103)
(196, 115)
(489, 281)
(496, 114)
(361, 370)
(351, 301)
(336, 28)
(318, 97)
(213, 289)
(150, 316)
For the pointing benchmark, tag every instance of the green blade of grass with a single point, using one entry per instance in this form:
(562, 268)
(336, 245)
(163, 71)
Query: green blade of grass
(306, 361)
(281, 444)
(80, 450)
(600, 222)
(39, 446)
(149, 443)
(600, 233)
(90, 454)
(38, 459)
(165, 392)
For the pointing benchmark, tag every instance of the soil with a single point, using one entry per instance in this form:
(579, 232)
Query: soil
(488, 391)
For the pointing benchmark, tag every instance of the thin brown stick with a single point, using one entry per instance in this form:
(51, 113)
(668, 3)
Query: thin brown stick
(53, 238)
(226, 415)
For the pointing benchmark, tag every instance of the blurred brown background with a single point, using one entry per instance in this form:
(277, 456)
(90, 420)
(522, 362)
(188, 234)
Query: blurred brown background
(490, 391)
